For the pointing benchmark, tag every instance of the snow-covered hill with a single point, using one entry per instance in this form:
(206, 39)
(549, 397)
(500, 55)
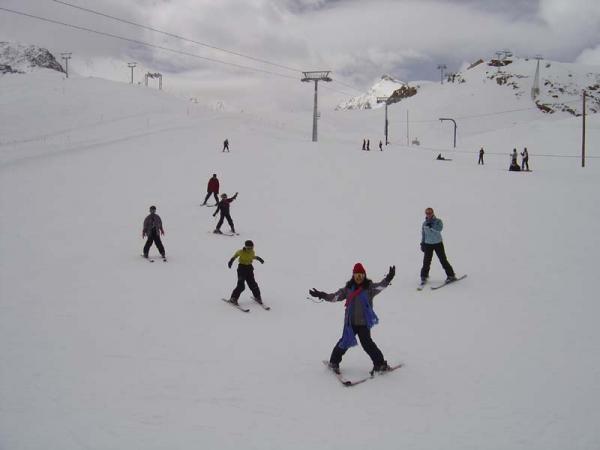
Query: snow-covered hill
(100, 349)
(19, 58)
(384, 87)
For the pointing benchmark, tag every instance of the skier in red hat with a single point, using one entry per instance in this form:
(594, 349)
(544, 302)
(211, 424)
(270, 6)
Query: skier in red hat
(359, 317)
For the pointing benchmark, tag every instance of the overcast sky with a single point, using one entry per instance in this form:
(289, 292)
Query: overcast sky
(358, 40)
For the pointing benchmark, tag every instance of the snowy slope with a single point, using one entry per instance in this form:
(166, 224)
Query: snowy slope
(100, 349)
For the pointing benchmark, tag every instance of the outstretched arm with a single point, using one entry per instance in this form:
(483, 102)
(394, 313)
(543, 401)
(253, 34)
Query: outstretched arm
(378, 287)
(230, 263)
(337, 296)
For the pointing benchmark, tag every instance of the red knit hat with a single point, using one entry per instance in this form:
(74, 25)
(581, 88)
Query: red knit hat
(358, 268)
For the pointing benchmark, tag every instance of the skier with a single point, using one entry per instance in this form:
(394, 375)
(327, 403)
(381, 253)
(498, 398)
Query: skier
(369, 144)
(431, 241)
(525, 159)
(513, 157)
(226, 145)
(364, 147)
(153, 229)
(223, 208)
(481, 152)
(212, 188)
(359, 317)
(380, 146)
(245, 272)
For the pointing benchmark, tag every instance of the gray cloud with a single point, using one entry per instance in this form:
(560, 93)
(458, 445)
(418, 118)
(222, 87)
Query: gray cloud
(359, 40)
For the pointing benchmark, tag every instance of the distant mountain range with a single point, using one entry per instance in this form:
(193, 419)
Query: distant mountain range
(558, 86)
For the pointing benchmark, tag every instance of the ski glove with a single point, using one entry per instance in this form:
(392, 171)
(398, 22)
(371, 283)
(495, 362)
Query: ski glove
(230, 263)
(314, 293)
(260, 260)
(390, 276)
(423, 247)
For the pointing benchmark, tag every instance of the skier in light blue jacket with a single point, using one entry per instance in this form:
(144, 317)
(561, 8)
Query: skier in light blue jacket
(431, 241)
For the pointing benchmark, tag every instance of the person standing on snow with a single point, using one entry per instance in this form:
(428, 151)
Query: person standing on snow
(513, 157)
(364, 147)
(525, 160)
(380, 146)
(223, 208)
(245, 272)
(359, 317)
(431, 241)
(481, 152)
(226, 145)
(212, 188)
(153, 229)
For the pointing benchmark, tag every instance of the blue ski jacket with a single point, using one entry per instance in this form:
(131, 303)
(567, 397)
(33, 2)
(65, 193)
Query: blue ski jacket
(431, 231)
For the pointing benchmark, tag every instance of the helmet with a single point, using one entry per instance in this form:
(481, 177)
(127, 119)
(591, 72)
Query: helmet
(223, 195)
(153, 208)
(249, 244)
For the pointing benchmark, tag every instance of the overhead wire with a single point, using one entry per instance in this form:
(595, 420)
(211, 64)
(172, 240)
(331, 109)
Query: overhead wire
(136, 41)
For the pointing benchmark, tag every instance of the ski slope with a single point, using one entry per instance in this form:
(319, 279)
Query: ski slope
(101, 350)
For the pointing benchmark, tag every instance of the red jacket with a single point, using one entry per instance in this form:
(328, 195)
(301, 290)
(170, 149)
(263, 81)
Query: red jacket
(213, 185)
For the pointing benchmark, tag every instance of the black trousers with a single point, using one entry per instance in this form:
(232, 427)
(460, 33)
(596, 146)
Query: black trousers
(245, 273)
(154, 237)
(524, 164)
(364, 337)
(229, 221)
(480, 160)
(208, 195)
(441, 254)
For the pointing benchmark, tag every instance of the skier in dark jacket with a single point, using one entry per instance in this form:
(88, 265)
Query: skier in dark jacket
(245, 272)
(359, 317)
(226, 145)
(223, 208)
(481, 153)
(212, 188)
(153, 229)
(431, 241)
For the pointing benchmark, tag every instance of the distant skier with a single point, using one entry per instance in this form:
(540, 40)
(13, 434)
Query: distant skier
(226, 145)
(525, 159)
(431, 241)
(380, 146)
(245, 272)
(513, 157)
(359, 317)
(481, 153)
(223, 208)
(368, 144)
(364, 147)
(153, 229)
(212, 188)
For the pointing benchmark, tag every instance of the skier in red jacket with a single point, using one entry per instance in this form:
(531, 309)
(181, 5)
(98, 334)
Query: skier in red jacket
(212, 188)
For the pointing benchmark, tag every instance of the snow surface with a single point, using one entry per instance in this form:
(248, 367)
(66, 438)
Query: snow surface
(101, 350)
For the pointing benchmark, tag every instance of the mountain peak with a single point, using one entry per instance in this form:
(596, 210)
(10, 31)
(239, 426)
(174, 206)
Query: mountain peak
(20, 58)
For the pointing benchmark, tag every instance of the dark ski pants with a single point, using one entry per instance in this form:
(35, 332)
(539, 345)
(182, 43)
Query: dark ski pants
(480, 160)
(229, 221)
(208, 195)
(245, 273)
(441, 254)
(154, 237)
(524, 164)
(364, 336)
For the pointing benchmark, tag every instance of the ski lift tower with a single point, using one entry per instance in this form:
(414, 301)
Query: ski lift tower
(385, 100)
(316, 76)
(535, 90)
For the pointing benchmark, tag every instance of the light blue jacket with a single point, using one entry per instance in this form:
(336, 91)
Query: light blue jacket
(431, 231)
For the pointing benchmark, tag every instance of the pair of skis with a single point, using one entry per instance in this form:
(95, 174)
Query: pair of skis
(445, 283)
(246, 310)
(349, 383)
(152, 260)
